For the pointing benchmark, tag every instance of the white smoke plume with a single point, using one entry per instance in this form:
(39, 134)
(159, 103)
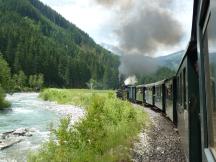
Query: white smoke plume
(131, 80)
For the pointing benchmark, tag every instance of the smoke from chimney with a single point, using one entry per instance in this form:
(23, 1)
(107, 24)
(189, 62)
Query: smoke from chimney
(143, 29)
(131, 80)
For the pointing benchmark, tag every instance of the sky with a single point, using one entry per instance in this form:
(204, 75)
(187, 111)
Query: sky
(137, 30)
(118, 24)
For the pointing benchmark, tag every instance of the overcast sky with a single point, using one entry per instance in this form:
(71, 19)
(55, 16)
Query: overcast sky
(150, 28)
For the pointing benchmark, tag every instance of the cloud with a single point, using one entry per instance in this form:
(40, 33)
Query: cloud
(123, 4)
(57, 2)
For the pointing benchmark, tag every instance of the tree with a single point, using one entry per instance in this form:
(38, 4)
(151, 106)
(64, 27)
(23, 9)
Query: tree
(19, 80)
(160, 74)
(22, 79)
(3, 103)
(39, 81)
(36, 81)
(5, 80)
(91, 84)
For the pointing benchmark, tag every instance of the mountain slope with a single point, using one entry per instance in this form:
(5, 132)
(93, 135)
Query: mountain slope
(36, 39)
(171, 61)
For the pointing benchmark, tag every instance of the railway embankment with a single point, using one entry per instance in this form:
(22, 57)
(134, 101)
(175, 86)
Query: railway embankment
(159, 142)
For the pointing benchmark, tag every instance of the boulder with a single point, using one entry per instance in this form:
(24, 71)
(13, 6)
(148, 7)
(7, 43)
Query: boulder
(20, 132)
(7, 144)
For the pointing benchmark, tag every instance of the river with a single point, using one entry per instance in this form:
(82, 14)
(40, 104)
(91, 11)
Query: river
(28, 111)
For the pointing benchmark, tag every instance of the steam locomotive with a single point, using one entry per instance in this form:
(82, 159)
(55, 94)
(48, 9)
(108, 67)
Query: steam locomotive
(189, 97)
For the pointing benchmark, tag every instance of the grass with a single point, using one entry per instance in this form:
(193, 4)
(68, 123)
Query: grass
(79, 97)
(104, 135)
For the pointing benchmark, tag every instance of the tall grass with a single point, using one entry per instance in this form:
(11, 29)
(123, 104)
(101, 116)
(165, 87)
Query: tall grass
(104, 135)
(80, 97)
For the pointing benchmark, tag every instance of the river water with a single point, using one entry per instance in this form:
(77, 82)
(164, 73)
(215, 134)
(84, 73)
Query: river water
(28, 111)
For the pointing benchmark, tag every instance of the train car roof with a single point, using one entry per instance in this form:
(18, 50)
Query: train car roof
(131, 86)
(170, 79)
(140, 86)
(150, 85)
(160, 82)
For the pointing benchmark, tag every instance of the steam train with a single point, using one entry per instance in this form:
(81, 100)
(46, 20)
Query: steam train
(189, 97)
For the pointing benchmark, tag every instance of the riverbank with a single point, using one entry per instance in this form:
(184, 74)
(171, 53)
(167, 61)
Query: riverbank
(28, 112)
(105, 134)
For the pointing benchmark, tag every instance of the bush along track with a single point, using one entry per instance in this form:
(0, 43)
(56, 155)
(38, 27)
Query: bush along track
(104, 135)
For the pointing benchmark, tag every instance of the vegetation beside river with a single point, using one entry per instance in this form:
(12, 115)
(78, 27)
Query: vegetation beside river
(78, 97)
(3, 102)
(5, 82)
(105, 134)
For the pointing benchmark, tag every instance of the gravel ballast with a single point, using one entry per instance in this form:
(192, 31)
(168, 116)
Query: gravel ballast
(158, 142)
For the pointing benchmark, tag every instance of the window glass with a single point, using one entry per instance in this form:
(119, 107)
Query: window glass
(169, 92)
(180, 89)
(212, 75)
(184, 89)
(158, 94)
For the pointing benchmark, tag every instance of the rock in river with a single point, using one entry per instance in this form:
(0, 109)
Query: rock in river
(9, 138)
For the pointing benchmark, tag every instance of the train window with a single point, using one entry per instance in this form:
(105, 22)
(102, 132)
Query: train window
(184, 89)
(180, 89)
(169, 92)
(211, 76)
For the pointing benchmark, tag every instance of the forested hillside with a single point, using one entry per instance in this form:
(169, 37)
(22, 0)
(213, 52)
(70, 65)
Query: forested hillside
(38, 42)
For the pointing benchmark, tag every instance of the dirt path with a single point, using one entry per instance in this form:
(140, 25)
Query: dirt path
(159, 142)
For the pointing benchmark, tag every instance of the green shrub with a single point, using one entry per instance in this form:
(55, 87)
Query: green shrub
(104, 135)
(3, 102)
